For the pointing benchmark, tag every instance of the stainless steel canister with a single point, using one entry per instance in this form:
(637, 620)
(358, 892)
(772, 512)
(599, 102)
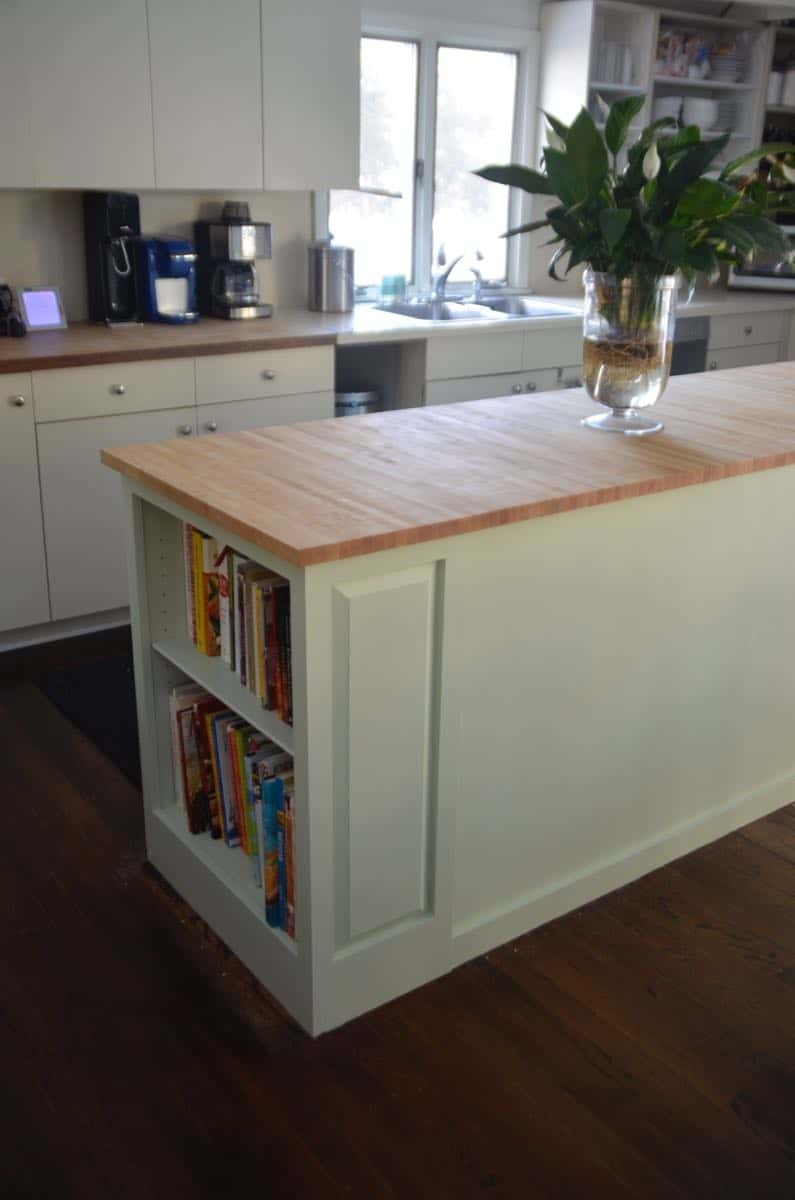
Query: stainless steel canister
(330, 277)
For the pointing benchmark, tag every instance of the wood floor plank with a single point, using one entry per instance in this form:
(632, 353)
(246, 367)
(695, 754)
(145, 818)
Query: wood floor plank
(642, 1047)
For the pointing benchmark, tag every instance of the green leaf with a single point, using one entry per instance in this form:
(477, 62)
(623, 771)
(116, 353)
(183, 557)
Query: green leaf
(660, 123)
(673, 248)
(588, 155)
(619, 120)
(560, 129)
(703, 258)
(553, 262)
(528, 228)
(613, 223)
(515, 175)
(668, 146)
(704, 199)
(764, 235)
(563, 176)
(764, 151)
(693, 163)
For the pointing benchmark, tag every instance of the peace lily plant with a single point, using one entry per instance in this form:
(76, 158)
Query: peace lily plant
(640, 228)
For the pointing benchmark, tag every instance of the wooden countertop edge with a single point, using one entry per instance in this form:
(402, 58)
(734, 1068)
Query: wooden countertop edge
(456, 526)
(50, 362)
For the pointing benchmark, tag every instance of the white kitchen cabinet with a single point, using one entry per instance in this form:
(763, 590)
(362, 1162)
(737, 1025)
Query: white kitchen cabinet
(23, 595)
(455, 355)
(16, 152)
(206, 94)
(238, 415)
(747, 329)
(110, 389)
(310, 93)
(222, 377)
(480, 387)
(87, 95)
(742, 356)
(83, 509)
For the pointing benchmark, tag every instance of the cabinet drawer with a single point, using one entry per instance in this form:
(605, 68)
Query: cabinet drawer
(742, 356)
(221, 377)
(452, 391)
(757, 330)
(459, 354)
(550, 347)
(106, 390)
(255, 414)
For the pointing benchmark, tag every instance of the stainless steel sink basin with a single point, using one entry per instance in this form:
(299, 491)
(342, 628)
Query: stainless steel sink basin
(527, 306)
(441, 310)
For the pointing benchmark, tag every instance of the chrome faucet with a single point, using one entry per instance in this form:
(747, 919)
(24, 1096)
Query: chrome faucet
(441, 277)
(477, 290)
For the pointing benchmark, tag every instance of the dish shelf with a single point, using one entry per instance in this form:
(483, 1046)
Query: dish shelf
(704, 85)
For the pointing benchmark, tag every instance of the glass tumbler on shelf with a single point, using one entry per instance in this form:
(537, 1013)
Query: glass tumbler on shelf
(628, 332)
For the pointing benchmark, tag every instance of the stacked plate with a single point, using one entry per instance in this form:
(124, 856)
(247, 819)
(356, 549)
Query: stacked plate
(728, 67)
(727, 115)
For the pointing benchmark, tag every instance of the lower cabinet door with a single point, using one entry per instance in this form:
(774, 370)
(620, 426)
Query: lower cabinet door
(23, 595)
(83, 505)
(742, 356)
(481, 387)
(237, 415)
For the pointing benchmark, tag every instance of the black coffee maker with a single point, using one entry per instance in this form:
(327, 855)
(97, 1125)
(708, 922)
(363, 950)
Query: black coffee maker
(112, 222)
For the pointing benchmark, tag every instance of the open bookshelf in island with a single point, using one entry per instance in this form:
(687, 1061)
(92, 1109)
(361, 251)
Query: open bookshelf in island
(524, 668)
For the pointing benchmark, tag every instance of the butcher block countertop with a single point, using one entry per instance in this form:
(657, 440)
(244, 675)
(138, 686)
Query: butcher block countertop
(325, 490)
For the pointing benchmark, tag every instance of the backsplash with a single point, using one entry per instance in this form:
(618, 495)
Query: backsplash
(41, 238)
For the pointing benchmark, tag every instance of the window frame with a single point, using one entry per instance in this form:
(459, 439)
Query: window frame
(429, 34)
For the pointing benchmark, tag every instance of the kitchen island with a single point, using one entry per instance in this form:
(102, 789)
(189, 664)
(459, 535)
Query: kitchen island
(530, 663)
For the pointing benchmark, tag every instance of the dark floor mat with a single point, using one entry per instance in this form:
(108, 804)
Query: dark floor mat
(99, 698)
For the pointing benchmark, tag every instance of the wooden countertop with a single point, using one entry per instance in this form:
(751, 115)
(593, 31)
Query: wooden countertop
(325, 490)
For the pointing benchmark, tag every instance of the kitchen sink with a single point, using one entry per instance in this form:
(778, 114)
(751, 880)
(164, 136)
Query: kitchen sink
(440, 310)
(527, 306)
(488, 308)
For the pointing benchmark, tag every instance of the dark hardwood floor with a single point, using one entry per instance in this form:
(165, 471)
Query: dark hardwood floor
(641, 1047)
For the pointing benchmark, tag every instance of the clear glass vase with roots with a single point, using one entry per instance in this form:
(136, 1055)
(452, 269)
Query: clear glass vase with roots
(628, 331)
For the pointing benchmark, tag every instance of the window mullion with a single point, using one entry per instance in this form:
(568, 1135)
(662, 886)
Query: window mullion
(426, 124)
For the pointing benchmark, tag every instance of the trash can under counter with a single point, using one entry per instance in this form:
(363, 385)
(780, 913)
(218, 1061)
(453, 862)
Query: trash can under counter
(355, 404)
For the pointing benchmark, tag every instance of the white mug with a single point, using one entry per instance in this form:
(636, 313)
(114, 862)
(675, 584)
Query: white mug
(775, 87)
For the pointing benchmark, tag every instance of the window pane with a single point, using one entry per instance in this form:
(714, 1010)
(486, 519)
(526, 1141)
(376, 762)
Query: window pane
(475, 101)
(380, 228)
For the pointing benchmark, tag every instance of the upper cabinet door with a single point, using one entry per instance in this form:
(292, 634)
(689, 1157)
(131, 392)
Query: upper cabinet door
(88, 93)
(310, 85)
(206, 93)
(16, 157)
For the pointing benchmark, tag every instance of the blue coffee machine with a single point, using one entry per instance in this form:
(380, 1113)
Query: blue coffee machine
(166, 269)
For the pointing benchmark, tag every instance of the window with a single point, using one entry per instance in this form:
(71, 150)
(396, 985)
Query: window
(431, 113)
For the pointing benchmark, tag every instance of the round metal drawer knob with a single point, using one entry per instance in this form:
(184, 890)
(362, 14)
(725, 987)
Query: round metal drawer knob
(186, 430)
(713, 366)
(17, 401)
(749, 329)
(268, 375)
(210, 426)
(531, 387)
(516, 389)
(118, 389)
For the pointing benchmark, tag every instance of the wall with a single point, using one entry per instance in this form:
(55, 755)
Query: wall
(41, 238)
(521, 13)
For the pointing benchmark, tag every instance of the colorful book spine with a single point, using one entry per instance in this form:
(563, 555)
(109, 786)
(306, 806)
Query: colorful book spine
(198, 591)
(211, 596)
(258, 626)
(289, 860)
(224, 566)
(196, 810)
(238, 794)
(282, 867)
(272, 792)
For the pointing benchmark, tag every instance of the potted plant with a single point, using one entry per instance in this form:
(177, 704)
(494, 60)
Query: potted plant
(640, 229)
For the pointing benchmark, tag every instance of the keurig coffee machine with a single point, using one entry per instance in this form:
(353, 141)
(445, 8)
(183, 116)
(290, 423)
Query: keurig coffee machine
(228, 249)
(166, 279)
(111, 221)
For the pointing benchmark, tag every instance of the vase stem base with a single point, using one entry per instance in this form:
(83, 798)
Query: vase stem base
(624, 420)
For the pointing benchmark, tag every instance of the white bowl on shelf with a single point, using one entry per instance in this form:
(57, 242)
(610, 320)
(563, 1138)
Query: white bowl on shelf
(701, 111)
(666, 106)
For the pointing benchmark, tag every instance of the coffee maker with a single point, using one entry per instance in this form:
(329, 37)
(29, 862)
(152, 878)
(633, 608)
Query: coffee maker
(111, 222)
(227, 250)
(166, 271)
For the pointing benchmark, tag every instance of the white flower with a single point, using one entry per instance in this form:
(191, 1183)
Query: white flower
(788, 173)
(604, 108)
(651, 162)
(554, 140)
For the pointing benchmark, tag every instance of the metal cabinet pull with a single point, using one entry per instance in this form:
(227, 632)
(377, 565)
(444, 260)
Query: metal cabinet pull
(713, 366)
(269, 375)
(531, 387)
(17, 401)
(517, 388)
(210, 426)
(749, 329)
(186, 430)
(118, 389)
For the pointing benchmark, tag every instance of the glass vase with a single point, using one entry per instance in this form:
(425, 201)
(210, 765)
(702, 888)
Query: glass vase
(628, 332)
